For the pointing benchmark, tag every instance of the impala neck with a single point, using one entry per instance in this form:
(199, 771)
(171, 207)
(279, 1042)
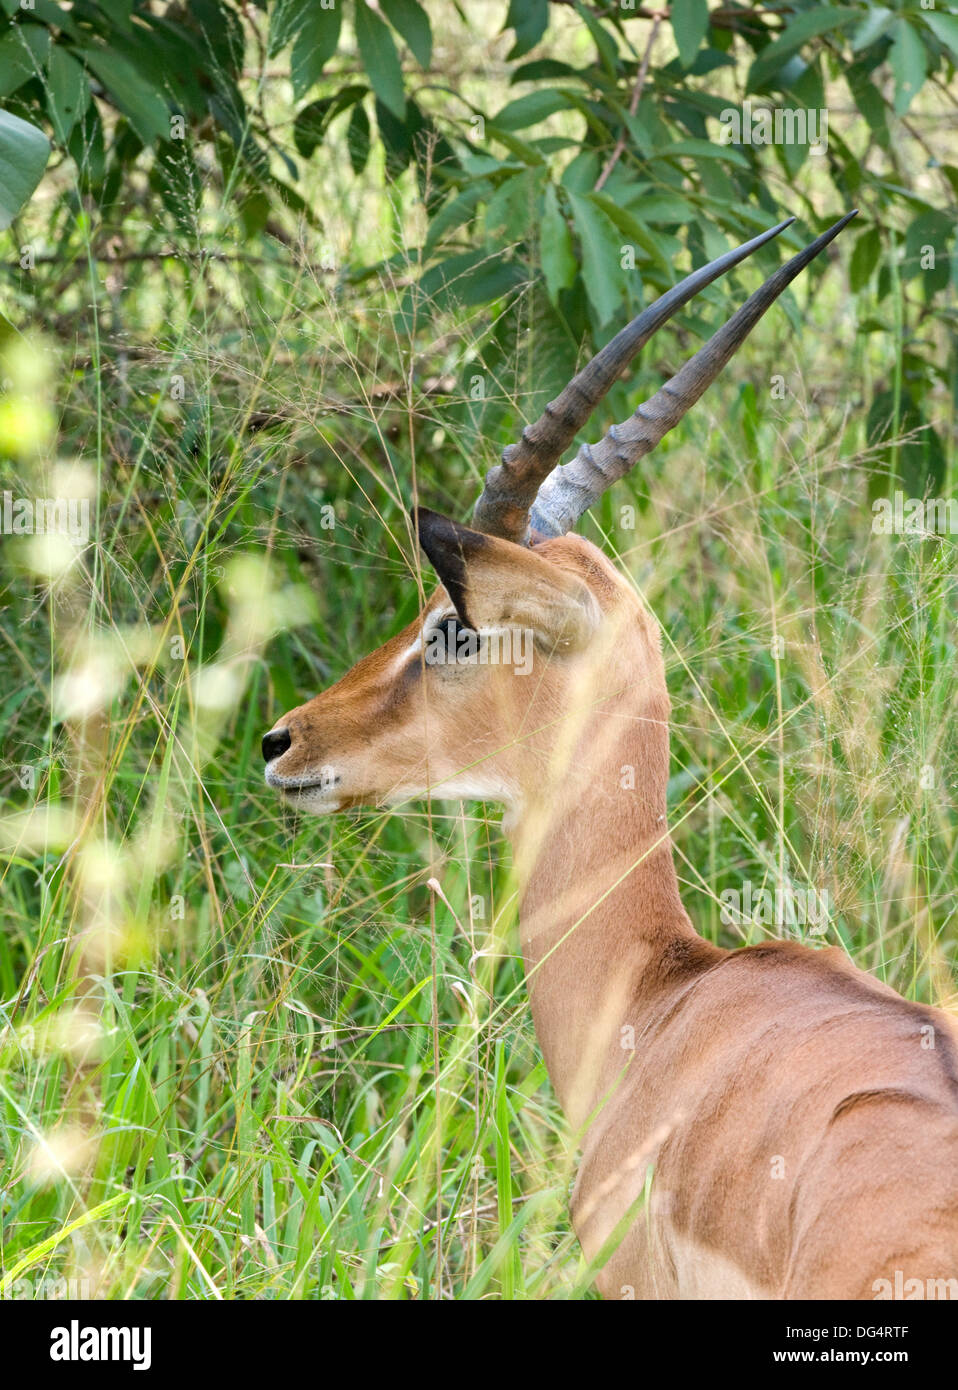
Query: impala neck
(605, 938)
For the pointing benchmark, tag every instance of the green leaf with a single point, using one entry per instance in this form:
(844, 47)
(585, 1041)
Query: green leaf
(24, 152)
(410, 20)
(604, 43)
(118, 11)
(218, 27)
(491, 280)
(530, 19)
(921, 465)
(167, 60)
(145, 109)
(37, 41)
(927, 245)
(288, 17)
(16, 63)
(580, 174)
(702, 149)
(397, 137)
(661, 207)
(309, 127)
(601, 250)
(284, 22)
(23, 52)
(690, 22)
(380, 59)
(868, 99)
(87, 148)
(48, 11)
(520, 148)
(807, 86)
(945, 28)
(317, 39)
(453, 213)
(708, 61)
(872, 27)
(68, 91)
(864, 259)
(550, 360)
(542, 68)
(473, 278)
(515, 207)
(655, 245)
(909, 63)
(357, 138)
(531, 109)
(806, 26)
(556, 251)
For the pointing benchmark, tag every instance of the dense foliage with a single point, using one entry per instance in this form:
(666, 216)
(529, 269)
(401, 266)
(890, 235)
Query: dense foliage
(176, 91)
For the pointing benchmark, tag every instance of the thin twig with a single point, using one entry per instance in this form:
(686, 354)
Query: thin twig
(719, 19)
(613, 159)
(130, 257)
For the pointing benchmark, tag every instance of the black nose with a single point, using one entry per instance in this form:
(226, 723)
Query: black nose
(275, 744)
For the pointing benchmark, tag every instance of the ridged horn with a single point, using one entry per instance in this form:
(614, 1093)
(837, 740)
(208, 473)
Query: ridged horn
(510, 489)
(572, 488)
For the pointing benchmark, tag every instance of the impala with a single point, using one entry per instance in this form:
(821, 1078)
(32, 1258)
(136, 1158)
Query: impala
(765, 1122)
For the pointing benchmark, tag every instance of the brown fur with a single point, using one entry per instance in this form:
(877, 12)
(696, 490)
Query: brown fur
(801, 1134)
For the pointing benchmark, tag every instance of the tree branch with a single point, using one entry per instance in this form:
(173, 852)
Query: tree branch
(614, 157)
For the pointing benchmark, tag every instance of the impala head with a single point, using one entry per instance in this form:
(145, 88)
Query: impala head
(529, 622)
(461, 701)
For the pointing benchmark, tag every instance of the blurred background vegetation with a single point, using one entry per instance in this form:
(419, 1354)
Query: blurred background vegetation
(270, 271)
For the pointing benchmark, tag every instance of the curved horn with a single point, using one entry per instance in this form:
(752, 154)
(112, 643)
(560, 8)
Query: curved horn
(573, 488)
(510, 490)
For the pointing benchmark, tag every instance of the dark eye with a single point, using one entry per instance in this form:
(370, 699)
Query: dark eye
(451, 628)
(450, 643)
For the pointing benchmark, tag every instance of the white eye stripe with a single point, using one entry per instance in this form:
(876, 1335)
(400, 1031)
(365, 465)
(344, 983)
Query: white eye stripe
(437, 619)
(432, 622)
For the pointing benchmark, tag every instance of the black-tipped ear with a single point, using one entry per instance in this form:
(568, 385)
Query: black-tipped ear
(449, 547)
(507, 585)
